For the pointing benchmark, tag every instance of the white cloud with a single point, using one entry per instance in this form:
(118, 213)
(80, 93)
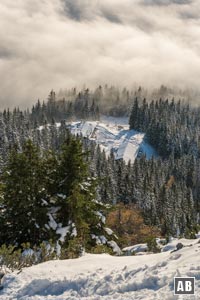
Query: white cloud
(62, 43)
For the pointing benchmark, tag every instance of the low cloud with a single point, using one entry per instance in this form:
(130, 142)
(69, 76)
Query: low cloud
(64, 43)
(166, 2)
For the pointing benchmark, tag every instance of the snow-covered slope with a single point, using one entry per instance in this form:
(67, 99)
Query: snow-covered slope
(114, 134)
(103, 277)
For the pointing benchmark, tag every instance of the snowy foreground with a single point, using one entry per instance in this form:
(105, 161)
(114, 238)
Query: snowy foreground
(104, 277)
(114, 134)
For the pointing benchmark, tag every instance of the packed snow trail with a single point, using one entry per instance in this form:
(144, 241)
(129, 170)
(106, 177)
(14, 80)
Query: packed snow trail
(104, 277)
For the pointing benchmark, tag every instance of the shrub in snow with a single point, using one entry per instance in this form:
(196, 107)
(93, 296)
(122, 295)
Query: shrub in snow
(192, 232)
(152, 245)
(12, 258)
(73, 250)
(99, 249)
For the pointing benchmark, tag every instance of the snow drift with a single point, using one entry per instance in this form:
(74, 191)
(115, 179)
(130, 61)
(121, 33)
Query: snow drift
(104, 277)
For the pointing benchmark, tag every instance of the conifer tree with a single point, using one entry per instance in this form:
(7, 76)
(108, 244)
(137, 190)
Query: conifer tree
(23, 192)
(76, 196)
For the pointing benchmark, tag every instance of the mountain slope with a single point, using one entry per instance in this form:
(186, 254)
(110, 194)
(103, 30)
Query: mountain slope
(113, 134)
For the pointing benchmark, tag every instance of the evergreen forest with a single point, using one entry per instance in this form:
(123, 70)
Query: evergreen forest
(63, 188)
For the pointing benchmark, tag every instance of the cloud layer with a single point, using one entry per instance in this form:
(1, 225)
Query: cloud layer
(64, 43)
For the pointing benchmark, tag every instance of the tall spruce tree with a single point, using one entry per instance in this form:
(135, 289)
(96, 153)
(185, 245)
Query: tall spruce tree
(76, 195)
(23, 190)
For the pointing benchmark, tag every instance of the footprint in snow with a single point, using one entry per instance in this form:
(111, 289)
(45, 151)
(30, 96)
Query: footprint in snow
(175, 256)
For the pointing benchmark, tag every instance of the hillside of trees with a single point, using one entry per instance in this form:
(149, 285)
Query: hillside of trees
(86, 104)
(45, 177)
(51, 196)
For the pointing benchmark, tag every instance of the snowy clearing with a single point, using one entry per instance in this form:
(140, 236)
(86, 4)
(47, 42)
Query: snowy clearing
(104, 277)
(114, 134)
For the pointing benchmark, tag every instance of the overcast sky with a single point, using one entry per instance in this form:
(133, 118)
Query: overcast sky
(47, 44)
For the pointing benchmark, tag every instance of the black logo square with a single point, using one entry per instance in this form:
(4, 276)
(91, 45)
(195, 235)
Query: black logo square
(184, 285)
